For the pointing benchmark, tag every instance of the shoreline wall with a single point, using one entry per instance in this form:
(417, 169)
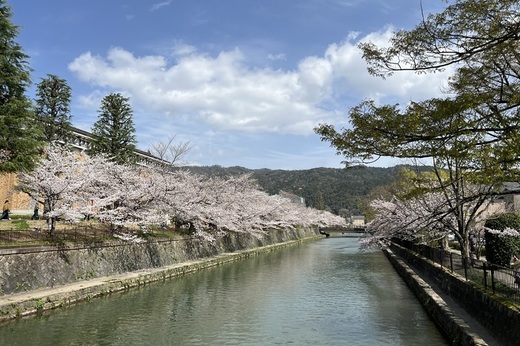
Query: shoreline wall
(501, 321)
(22, 272)
(147, 261)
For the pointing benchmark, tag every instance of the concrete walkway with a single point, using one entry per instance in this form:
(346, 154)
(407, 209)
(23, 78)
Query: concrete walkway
(460, 313)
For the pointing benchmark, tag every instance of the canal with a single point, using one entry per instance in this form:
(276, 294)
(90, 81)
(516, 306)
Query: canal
(325, 292)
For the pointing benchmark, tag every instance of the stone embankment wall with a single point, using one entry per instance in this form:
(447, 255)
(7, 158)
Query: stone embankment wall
(501, 321)
(21, 272)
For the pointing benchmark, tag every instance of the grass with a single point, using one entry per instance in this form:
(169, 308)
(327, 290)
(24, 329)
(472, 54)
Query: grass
(503, 292)
(20, 225)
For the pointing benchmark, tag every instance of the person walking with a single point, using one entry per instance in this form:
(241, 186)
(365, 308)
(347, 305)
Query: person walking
(6, 210)
(35, 216)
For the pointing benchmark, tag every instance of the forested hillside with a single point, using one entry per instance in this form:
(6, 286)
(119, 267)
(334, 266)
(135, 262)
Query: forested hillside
(339, 188)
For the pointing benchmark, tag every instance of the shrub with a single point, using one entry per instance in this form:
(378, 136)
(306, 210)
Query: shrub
(501, 246)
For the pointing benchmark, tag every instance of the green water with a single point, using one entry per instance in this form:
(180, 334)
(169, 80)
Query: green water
(319, 293)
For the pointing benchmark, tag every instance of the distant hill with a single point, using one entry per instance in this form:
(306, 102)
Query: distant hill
(341, 188)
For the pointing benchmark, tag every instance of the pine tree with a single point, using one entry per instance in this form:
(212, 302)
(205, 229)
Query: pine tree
(19, 133)
(53, 109)
(114, 131)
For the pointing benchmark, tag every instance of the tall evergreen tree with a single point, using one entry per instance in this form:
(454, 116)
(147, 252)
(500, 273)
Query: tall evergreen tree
(19, 134)
(53, 109)
(114, 131)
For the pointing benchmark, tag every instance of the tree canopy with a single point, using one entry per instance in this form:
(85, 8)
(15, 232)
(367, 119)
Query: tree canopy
(19, 134)
(53, 109)
(471, 134)
(468, 34)
(74, 186)
(114, 132)
(479, 119)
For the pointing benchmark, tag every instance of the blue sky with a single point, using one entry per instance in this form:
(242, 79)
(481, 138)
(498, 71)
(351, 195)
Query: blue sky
(244, 81)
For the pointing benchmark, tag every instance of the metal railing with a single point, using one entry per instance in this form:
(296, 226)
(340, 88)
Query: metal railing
(11, 242)
(27, 237)
(497, 279)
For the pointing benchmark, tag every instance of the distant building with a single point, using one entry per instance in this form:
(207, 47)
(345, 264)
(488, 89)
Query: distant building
(357, 221)
(81, 142)
(292, 197)
(509, 202)
(22, 203)
(512, 199)
(506, 203)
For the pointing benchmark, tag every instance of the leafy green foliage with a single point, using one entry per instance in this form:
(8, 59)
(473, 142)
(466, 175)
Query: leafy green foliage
(466, 32)
(114, 132)
(19, 133)
(472, 136)
(501, 248)
(476, 128)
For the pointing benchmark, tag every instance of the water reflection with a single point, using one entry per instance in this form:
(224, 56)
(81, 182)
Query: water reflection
(324, 292)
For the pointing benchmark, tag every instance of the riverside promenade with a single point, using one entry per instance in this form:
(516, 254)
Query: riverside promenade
(458, 325)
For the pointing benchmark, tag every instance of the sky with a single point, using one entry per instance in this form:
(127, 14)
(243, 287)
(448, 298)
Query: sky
(243, 81)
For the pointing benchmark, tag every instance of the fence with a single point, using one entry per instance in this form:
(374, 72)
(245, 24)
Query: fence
(40, 236)
(500, 280)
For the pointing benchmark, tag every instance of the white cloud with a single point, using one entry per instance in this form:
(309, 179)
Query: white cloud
(90, 101)
(276, 57)
(225, 93)
(157, 6)
(180, 48)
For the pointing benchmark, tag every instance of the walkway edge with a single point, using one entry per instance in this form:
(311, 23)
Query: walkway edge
(455, 328)
(33, 302)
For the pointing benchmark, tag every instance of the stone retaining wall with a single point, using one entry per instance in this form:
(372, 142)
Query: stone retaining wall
(22, 272)
(500, 320)
(32, 302)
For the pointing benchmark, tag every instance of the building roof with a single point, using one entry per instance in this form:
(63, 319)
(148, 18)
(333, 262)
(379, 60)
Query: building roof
(83, 137)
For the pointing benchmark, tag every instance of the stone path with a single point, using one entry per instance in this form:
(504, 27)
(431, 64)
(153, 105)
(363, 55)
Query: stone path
(27, 303)
(459, 312)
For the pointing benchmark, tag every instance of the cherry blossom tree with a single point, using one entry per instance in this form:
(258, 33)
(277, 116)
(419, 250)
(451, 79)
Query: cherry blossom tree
(129, 195)
(59, 181)
(433, 215)
(236, 204)
(74, 186)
